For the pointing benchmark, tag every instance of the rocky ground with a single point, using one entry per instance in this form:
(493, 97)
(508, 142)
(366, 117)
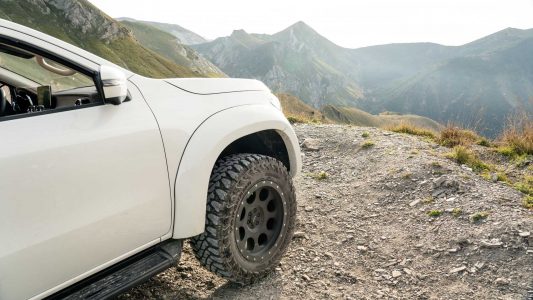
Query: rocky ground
(390, 218)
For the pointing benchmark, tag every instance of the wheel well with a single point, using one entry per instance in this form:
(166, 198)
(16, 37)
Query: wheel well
(266, 142)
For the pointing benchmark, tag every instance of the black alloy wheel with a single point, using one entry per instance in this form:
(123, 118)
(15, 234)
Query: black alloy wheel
(250, 217)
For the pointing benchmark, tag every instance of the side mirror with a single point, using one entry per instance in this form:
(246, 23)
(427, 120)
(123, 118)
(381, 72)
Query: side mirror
(115, 85)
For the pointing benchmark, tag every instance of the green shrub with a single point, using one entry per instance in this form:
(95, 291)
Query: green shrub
(456, 212)
(483, 142)
(527, 202)
(368, 144)
(525, 186)
(434, 213)
(507, 151)
(320, 175)
(452, 136)
(479, 216)
(517, 137)
(500, 176)
(465, 156)
(461, 155)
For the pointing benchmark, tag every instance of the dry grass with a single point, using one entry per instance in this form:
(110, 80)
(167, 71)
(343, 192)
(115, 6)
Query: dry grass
(409, 128)
(464, 156)
(517, 138)
(453, 135)
(320, 175)
(304, 119)
(479, 216)
(526, 185)
(434, 213)
(297, 111)
(527, 202)
(368, 144)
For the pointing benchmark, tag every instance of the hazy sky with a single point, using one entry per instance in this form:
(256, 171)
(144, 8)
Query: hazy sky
(349, 23)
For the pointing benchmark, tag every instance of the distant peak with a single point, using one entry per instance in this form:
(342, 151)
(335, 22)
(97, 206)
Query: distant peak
(512, 29)
(509, 30)
(301, 31)
(300, 25)
(239, 32)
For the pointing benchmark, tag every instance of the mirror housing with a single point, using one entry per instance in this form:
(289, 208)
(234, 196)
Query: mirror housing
(114, 84)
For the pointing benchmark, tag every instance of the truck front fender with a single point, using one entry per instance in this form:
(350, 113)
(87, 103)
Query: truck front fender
(204, 147)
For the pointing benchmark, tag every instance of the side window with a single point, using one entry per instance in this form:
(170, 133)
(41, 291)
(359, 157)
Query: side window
(33, 84)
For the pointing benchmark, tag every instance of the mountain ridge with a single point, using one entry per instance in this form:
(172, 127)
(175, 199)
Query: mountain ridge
(186, 36)
(296, 60)
(300, 61)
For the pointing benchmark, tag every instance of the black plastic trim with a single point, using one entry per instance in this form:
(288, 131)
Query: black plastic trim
(124, 275)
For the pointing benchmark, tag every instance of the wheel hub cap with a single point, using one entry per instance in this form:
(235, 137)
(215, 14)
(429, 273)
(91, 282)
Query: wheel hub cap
(255, 217)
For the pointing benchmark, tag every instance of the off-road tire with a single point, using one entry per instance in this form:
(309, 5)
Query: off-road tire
(219, 248)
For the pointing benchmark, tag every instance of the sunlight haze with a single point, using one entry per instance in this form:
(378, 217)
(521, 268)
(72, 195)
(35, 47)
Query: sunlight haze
(348, 23)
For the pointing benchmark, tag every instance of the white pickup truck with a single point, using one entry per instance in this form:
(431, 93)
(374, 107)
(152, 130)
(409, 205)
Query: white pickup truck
(104, 173)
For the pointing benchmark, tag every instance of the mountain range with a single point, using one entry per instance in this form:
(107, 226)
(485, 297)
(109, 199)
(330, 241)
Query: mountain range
(478, 84)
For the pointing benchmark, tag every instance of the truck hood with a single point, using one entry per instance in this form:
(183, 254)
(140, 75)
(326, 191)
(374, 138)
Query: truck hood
(207, 86)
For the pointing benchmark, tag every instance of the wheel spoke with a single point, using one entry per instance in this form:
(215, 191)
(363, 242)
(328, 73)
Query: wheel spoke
(270, 197)
(264, 204)
(272, 214)
(269, 233)
(242, 243)
(253, 235)
(241, 220)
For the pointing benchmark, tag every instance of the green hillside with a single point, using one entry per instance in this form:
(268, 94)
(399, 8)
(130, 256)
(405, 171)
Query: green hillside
(80, 23)
(354, 116)
(168, 46)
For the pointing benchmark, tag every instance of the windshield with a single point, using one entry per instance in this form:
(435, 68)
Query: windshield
(40, 70)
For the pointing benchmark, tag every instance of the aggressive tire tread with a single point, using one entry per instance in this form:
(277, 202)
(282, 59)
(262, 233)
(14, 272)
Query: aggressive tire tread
(230, 177)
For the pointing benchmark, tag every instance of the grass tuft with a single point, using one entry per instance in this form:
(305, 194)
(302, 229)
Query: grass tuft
(320, 175)
(453, 135)
(428, 200)
(527, 202)
(500, 176)
(464, 156)
(456, 212)
(525, 186)
(365, 134)
(483, 142)
(368, 144)
(434, 213)
(302, 119)
(517, 138)
(479, 216)
(409, 128)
